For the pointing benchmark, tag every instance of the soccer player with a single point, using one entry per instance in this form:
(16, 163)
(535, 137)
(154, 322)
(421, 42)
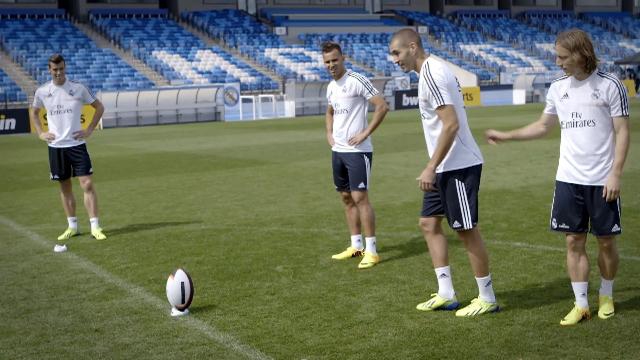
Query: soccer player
(63, 100)
(593, 111)
(451, 179)
(349, 135)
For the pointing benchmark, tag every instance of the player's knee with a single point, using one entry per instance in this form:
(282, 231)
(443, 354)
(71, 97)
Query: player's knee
(360, 198)
(86, 184)
(429, 226)
(576, 243)
(606, 244)
(347, 199)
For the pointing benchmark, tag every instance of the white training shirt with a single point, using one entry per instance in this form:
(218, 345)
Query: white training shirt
(349, 97)
(438, 86)
(585, 110)
(64, 107)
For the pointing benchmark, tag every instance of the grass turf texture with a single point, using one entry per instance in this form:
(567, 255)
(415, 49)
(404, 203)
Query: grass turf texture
(250, 211)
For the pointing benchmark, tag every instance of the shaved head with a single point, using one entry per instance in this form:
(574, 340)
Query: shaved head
(406, 50)
(405, 37)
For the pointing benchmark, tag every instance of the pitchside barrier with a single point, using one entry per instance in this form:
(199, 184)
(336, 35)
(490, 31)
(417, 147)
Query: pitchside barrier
(169, 105)
(310, 98)
(473, 96)
(14, 121)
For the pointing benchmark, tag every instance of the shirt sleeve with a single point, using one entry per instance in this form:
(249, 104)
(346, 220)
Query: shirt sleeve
(436, 85)
(87, 96)
(618, 99)
(329, 96)
(365, 88)
(550, 107)
(37, 101)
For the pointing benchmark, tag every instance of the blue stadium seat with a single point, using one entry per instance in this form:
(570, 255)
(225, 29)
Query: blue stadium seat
(30, 42)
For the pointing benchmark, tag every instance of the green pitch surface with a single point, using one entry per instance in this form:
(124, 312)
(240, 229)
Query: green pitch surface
(250, 211)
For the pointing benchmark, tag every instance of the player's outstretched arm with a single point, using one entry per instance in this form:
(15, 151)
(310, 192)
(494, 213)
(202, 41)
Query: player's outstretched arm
(535, 130)
(611, 190)
(381, 109)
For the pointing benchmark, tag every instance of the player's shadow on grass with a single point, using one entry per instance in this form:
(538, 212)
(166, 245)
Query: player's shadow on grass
(413, 247)
(629, 304)
(133, 228)
(201, 309)
(536, 295)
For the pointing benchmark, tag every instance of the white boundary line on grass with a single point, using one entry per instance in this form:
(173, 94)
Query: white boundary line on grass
(211, 332)
(549, 248)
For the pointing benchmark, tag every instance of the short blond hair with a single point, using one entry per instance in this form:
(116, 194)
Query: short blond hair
(580, 46)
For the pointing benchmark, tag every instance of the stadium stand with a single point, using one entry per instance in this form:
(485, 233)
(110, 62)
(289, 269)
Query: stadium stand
(174, 52)
(254, 40)
(610, 45)
(448, 38)
(31, 36)
(507, 52)
(9, 90)
(326, 17)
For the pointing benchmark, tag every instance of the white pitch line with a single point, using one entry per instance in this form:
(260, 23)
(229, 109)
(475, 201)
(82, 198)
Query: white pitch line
(210, 331)
(550, 248)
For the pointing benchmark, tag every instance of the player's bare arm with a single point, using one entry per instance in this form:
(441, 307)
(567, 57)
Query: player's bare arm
(329, 125)
(611, 190)
(535, 130)
(381, 109)
(85, 133)
(35, 121)
(446, 114)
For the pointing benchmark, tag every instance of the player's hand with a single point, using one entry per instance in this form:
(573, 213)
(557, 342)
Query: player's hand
(427, 180)
(330, 139)
(358, 139)
(82, 134)
(47, 136)
(495, 137)
(611, 190)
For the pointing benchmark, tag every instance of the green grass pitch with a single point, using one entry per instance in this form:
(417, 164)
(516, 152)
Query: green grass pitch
(250, 211)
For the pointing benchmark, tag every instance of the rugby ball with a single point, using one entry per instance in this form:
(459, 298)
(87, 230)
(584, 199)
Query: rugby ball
(180, 290)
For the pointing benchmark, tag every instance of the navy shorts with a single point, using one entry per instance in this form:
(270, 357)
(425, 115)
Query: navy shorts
(69, 161)
(456, 197)
(351, 171)
(581, 208)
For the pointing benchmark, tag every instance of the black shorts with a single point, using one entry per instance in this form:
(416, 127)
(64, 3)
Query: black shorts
(351, 171)
(581, 208)
(69, 161)
(456, 197)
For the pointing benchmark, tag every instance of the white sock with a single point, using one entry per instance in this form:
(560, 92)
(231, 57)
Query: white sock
(94, 223)
(73, 222)
(445, 283)
(371, 245)
(606, 287)
(580, 290)
(356, 242)
(485, 288)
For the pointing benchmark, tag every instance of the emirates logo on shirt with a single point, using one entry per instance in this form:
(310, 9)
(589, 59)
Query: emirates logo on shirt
(577, 122)
(337, 110)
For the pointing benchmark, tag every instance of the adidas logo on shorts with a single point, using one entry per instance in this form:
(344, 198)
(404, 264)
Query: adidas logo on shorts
(615, 228)
(455, 224)
(362, 186)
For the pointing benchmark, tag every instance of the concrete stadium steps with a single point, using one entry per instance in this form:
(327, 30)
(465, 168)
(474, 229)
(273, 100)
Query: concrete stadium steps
(18, 75)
